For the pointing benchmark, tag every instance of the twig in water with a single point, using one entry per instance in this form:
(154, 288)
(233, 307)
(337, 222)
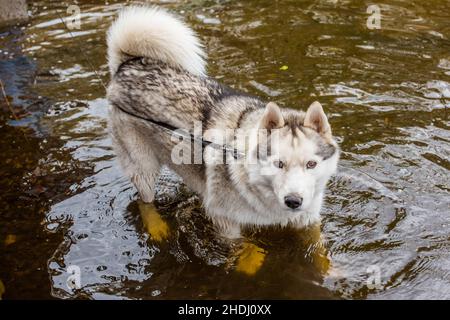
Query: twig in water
(7, 101)
(83, 54)
(10, 108)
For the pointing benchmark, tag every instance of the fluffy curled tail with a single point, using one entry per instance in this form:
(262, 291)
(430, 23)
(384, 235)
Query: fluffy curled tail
(154, 33)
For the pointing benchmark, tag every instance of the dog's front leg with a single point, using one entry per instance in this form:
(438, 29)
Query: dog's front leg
(318, 253)
(226, 228)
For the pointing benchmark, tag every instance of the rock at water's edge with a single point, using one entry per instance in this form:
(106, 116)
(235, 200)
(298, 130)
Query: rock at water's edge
(13, 11)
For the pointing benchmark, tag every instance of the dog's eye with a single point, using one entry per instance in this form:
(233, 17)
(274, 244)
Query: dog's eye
(278, 164)
(311, 164)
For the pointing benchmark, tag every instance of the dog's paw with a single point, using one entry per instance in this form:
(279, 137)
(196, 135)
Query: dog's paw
(154, 224)
(322, 262)
(316, 248)
(250, 259)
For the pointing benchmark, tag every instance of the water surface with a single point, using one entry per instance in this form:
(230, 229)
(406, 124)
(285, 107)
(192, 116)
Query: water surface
(64, 201)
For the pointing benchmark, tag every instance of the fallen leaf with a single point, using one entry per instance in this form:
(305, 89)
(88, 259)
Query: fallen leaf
(10, 239)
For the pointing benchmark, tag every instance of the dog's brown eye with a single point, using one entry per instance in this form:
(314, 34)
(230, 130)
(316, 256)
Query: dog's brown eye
(279, 164)
(311, 164)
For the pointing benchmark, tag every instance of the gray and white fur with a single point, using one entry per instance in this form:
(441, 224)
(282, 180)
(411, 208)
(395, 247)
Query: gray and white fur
(157, 67)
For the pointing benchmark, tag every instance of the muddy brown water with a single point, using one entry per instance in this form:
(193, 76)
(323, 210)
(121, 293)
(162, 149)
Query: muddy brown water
(64, 201)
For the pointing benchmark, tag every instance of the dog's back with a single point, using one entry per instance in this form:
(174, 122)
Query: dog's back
(157, 68)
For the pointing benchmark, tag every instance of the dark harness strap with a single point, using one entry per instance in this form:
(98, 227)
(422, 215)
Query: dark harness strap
(187, 135)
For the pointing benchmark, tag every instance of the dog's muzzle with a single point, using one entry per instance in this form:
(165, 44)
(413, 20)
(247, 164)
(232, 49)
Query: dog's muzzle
(293, 201)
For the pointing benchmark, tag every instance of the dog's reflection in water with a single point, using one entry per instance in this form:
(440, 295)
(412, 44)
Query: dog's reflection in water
(288, 244)
(258, 250)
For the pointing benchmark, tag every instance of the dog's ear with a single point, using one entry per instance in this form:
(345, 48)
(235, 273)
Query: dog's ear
(272, 118)
(316, 119)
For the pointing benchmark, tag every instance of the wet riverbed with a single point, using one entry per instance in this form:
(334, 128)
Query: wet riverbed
(65, 203)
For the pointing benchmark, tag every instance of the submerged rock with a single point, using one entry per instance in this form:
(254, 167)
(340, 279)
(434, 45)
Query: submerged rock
(13, 11)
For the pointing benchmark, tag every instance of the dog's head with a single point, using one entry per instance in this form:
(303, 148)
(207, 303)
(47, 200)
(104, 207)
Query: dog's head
(295, 157)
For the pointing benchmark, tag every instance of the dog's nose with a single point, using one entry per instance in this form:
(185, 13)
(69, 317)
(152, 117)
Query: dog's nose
(293, 201)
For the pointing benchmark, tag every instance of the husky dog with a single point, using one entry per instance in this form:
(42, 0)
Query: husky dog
(157, 67)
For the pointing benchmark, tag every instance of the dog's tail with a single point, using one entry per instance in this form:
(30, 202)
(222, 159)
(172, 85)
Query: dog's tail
(154, 33)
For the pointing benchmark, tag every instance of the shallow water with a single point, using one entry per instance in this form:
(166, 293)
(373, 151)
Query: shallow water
(64, 201)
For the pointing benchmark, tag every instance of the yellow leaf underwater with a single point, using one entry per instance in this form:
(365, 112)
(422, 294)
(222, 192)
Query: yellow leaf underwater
(10, 239)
